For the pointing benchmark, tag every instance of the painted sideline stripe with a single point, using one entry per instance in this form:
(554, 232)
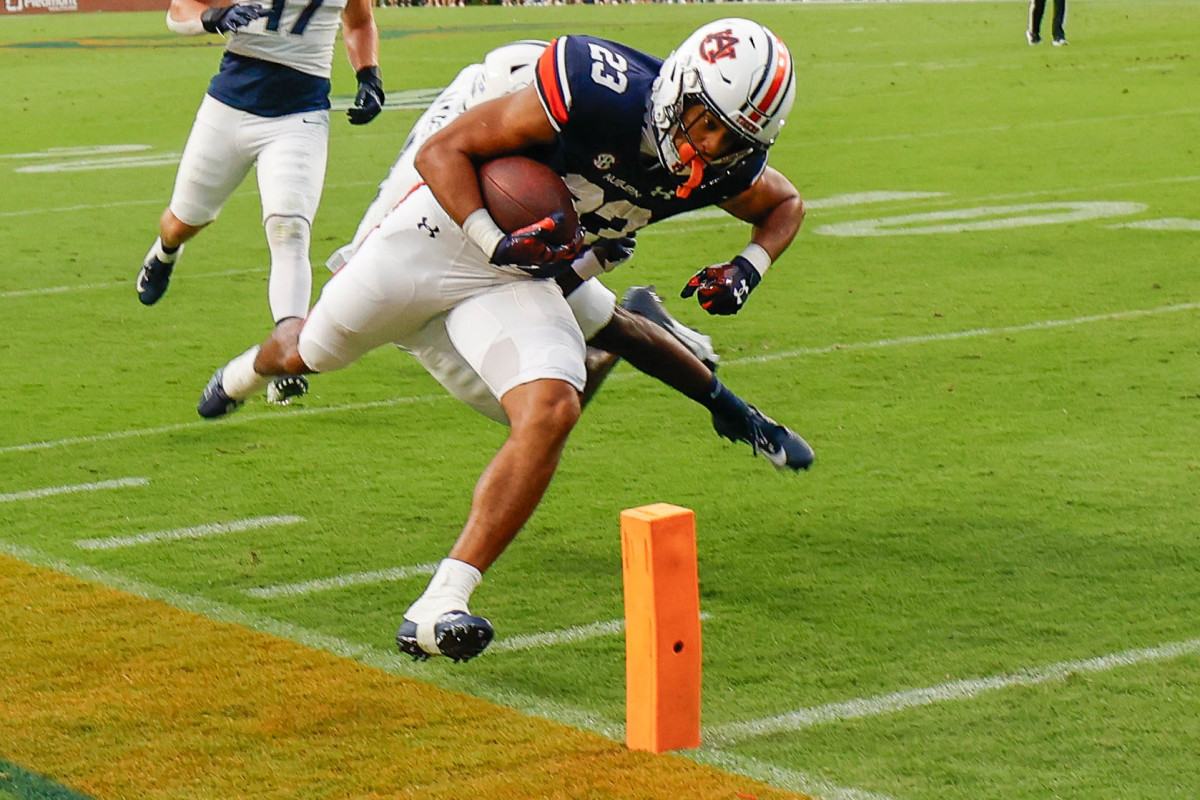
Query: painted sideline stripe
(946, 337)
(33, 494)
(195, 532)
(955, 690)
(340, 581)
(780, 777)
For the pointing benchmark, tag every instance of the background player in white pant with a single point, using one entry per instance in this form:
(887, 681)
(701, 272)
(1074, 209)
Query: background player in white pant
(267, 107)
(439, 278)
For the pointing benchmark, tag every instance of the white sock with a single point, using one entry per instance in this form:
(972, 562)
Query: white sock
(157, 251)
(449, 589)
(290, 287)
(239, 380)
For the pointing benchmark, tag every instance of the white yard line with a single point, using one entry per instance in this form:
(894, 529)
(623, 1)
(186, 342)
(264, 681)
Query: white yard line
(955, 690)
(128, 283)
(34, 494)
(195, 532)
(953, 335)
(578, 633)
(339, 582)
(788, 354)
(237, 419)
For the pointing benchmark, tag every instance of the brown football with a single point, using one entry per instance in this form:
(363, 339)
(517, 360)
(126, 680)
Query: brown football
(519, 191)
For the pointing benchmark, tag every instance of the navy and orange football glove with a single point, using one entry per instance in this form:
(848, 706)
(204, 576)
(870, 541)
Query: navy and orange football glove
(723, 288)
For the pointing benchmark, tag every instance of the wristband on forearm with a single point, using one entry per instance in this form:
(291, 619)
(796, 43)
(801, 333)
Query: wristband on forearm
(190, 27)
(483, 231)
(587, 265)
(758, 257)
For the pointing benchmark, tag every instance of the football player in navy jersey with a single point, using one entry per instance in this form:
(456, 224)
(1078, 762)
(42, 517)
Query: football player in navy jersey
(268, 108)
(637, 140)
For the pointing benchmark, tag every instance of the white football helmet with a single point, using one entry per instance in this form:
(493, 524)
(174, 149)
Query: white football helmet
(508, 68)
(743, 74)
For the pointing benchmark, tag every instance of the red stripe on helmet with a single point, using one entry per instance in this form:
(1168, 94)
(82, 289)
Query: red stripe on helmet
(778, 79)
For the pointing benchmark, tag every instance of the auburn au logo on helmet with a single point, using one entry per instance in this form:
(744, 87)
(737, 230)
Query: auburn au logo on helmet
(718, 45)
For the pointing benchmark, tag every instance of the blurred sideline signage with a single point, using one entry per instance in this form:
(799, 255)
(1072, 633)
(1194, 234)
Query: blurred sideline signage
(54, 6)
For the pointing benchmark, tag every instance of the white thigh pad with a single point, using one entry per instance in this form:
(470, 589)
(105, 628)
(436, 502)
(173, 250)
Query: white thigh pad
(518, 333)
(213, 163)
(292, 151)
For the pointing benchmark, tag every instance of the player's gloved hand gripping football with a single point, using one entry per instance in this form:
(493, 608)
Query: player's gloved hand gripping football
(723, 288)
(532, 248)
(227, 19)
(369, 100)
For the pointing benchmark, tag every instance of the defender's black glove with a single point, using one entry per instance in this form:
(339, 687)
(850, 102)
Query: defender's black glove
(369, 100)
(612, 253)
(530, 247)
(723, 288)
(227, 19)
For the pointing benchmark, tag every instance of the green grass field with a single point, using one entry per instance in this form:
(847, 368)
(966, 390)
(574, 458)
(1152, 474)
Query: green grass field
(989, 585)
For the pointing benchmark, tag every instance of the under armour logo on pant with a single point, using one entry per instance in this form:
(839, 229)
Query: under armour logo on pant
(433, 229)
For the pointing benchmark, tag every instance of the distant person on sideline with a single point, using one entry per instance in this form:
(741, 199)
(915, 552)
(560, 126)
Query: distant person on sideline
(1037, 9)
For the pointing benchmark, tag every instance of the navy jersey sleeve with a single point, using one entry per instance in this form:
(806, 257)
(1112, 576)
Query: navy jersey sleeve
(586, 83)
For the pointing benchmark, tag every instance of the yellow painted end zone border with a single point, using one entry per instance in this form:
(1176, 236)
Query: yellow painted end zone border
(118, 696)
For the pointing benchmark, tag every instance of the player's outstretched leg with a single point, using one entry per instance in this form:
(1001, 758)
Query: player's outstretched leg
(782, 446)
(644, 300)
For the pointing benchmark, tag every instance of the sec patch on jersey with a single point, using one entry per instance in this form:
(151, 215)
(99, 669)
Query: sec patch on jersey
(519, 191)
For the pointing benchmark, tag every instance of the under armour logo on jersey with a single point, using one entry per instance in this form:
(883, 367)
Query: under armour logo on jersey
(424, 224)
(663, 193)
(604, 160)
(718, 45)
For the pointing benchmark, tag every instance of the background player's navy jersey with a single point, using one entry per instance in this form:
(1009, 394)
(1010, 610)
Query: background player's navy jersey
(596, 94)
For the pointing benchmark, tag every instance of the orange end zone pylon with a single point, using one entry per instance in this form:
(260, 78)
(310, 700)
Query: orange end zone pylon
(662, 628)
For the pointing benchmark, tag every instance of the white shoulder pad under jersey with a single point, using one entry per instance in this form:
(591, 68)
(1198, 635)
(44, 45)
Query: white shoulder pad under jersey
(296, 33)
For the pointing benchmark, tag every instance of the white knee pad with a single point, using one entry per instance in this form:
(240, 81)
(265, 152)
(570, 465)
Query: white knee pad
(290, 287)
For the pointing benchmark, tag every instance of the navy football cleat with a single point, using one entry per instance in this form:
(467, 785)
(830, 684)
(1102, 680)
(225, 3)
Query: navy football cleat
(153, 279)
(644, 301)
(283, 390)
(214, 402)
(458, 635)
(784, 448)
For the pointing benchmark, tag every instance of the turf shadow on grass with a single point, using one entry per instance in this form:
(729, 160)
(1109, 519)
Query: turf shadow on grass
(25, 785)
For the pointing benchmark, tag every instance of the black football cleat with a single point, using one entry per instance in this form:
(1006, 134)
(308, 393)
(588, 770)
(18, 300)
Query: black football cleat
(283, 390)
(644, 301)
(458, 636)
(214, 402)
(152, 280)
(780, 445)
